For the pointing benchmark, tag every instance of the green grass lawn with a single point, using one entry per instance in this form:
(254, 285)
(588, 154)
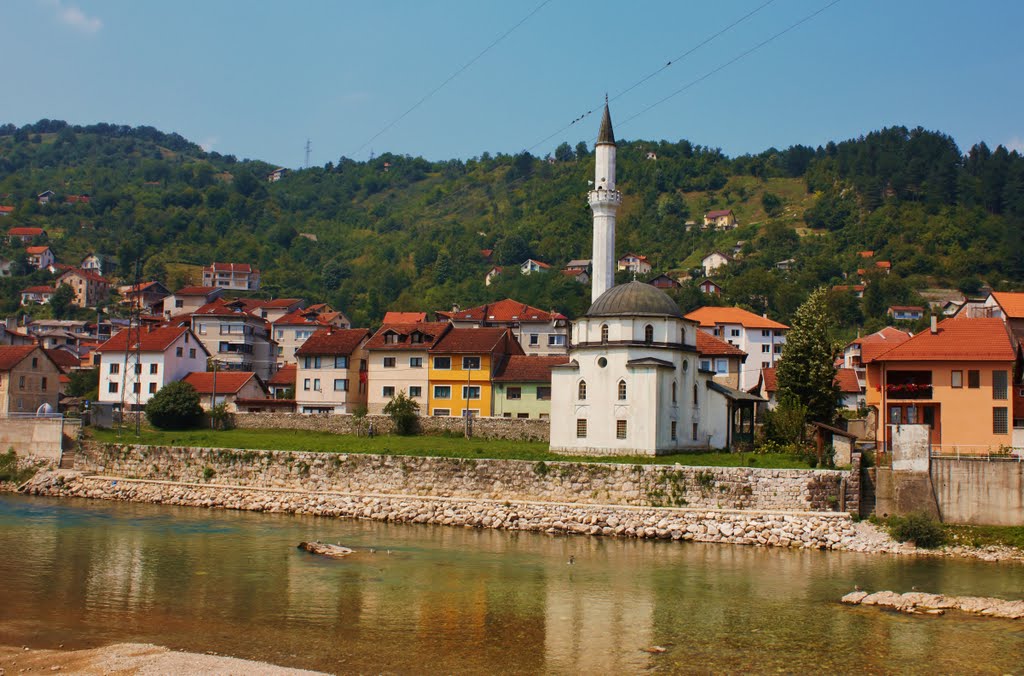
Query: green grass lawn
(983, 536)
(433, 446)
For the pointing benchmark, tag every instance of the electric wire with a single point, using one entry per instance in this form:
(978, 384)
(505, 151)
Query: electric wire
(452, 76)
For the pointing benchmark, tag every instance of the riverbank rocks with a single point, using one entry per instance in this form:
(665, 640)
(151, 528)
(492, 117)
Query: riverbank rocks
(916, 603)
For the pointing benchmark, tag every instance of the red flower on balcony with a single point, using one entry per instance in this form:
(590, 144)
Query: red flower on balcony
(907, 388)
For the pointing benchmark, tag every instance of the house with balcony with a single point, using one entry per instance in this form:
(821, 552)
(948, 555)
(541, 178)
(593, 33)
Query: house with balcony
(235, 276)
(633, 263)
(91, 290)
(866, 348)
(461, 370)
(958, 378)
(539, 332)
(292, 330)
(722, 359)
(522, 386)
(331, 371)
(720, 219)
(40, 257)
(762, 339)
(399, 355)
(134, 364)
(236, 339)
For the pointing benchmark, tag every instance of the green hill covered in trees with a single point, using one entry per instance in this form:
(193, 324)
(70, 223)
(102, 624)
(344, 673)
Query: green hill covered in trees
(400, 232)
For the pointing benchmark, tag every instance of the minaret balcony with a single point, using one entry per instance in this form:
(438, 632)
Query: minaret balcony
(602, 196)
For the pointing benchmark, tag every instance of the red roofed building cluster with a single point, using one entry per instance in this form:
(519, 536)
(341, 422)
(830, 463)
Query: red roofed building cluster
(762, 339)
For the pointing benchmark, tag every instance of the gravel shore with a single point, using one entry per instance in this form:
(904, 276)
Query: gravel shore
(131, 659)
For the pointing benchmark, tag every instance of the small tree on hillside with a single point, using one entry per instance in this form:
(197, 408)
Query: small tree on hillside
(403, 411)
(807, 370)
(61, 301)
(174, 407)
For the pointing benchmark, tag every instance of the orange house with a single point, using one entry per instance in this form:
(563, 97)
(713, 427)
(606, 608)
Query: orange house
(958, 378)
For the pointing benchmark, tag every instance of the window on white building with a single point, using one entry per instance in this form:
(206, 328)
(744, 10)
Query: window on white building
(389, 362)
(620, 429)
(622, 390)
(556, 340)
(341, 385)
(388, 391)
(534, 339)
(415, 391)
(581, 391)
(416, 362)
(341, 362)
(581, 428)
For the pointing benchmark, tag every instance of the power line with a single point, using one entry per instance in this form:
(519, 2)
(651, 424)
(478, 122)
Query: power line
(728, 63)
(452, 76)
(668, 64)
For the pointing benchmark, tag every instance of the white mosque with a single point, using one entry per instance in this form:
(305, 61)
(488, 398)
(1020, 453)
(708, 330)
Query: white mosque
(632, 385)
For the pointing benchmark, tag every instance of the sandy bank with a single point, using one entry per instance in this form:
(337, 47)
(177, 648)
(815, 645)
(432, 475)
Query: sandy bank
(131, 659)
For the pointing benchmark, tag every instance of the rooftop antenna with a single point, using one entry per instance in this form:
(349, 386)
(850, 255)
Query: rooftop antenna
(309, 147)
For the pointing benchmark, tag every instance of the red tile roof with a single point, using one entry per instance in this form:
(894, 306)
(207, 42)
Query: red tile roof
(507, 310)
(85, 274)
(404, 317)
(12, 355)
(866, 254)
(142, 286)
(285, 377)
(885, 265)
(477, 341)
(333, 342)
(430, 331)
(1012, 303)
(196, 290)
(36, 249)
(846, 380)
(957, 339)
(63, 359)
(23, 231)
(846, 287)
(228, 382)
(906, 308)
(540, 264)
(6, 210)
(878, 342)
(713, 316)
(231, 267)
(155, 340)
(277, 302)
(519, 368)
(718, 212)
(306, 317)
(710, 346)
(38, 289)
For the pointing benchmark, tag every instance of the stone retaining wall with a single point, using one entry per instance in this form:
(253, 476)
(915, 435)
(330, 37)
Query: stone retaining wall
(531, 429)
(784, 529)
(562, 482)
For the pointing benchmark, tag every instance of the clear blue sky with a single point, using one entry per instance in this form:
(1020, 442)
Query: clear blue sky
(256, 78)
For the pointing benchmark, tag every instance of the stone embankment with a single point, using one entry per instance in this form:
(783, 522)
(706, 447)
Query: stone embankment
(914, 603)
(807, 530)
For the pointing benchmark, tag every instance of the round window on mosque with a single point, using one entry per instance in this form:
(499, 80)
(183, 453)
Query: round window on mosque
(602, 362)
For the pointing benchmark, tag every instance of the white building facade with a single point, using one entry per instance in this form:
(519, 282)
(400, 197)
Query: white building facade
(164, 355)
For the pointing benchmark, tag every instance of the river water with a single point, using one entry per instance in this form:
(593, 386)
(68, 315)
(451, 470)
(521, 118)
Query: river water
(449, 600)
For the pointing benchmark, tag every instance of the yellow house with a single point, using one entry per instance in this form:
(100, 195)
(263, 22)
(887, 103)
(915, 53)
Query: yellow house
(461, 369)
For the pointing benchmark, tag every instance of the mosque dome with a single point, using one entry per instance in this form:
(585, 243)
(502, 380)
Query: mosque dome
(634, 299)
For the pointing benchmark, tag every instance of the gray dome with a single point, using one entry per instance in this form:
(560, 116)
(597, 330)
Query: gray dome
(636, 299)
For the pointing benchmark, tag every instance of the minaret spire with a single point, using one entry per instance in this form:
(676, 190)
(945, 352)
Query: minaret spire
(604, 202)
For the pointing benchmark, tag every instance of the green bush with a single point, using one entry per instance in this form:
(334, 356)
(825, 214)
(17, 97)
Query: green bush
(175, 407)
(9, 469)
(221, 417)
(918, 527)
(404, 412)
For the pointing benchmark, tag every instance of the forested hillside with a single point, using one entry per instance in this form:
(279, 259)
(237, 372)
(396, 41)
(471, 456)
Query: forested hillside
(400, 232)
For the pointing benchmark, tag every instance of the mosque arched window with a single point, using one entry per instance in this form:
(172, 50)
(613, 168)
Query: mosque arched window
(604, 333)
(622, 390)
(581, 391)
(648, 334)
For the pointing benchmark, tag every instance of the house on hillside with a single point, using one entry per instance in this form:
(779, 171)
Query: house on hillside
(25, 235)
(145, 296)
(293, 329)
(722, 359)
(905, 313)
(522, 386)
(188, 299)
(579, 264)
(713, 261)
(37, 295)
(633, 263)
(531, 265)
(663, 281)
(235, 276)
(238, 340)
(958, 378)
(45, 197)
(787, 264)
(759, 337)
(865, 348)
(397, 362)
(274, 309)
(165, 355)
(539, 332)
(331, 372)
(91, 290)
(276, 175)
(709, 287)
(1010, 308)
(492, 274)
(851, 393)
(40, 257)
(6, 210)
(29, 379)
(856, 289)
(97, 263)
(281, 385)
(580, 276)
(226, 387)
(722, 219)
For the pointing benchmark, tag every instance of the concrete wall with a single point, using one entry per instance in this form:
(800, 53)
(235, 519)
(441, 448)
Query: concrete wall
(979, 491)
(36, 437)
(635, 485)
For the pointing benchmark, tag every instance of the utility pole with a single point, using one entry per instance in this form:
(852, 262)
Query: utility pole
(309, 147)
(213, 395)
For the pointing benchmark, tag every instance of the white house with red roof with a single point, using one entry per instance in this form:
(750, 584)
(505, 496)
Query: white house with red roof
(24, 234)
(6, 210)
(273, 309)
(40, 257)
(760, 338)
(37, 295)
(865, 348)
(633, 263)
(239, 340)
(531, 265)
(226, 387)
(331, 373)
(237, 276)
(721, 358)
(720, 219)
(188, 299)
(492, 274)
(397, 362)
(292, 330)
(539, 332)
(165, 355)
(851, 391)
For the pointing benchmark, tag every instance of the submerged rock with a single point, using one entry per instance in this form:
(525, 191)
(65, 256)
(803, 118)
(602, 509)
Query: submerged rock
(916, 603)
(324, 549)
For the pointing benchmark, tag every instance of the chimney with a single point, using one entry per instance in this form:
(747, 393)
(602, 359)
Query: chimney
(935, 324)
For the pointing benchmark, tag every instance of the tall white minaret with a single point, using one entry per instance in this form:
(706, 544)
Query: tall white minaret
(604, 201)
